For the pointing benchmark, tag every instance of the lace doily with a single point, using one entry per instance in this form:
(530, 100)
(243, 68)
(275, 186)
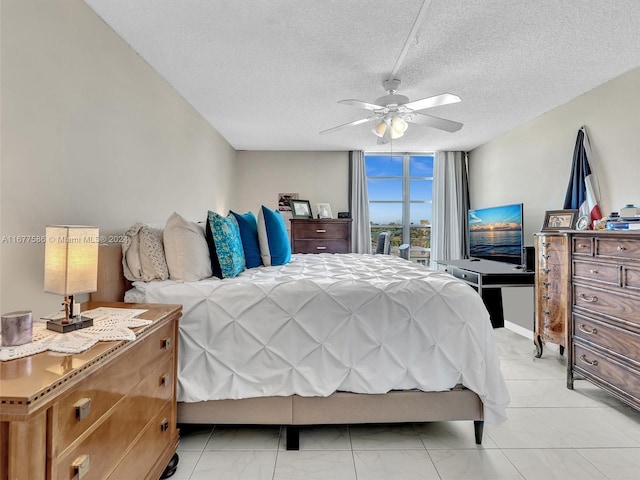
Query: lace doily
(109, 324)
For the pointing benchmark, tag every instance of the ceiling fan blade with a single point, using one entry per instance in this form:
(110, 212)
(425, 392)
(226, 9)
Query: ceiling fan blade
(435, 122)
(360, 104)
(350, 124)
(435, 101)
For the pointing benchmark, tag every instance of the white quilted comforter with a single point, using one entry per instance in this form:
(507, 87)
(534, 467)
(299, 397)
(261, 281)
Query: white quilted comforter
(322, 323)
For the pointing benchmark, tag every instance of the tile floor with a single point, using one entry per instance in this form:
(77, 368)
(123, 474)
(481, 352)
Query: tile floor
(551, 433)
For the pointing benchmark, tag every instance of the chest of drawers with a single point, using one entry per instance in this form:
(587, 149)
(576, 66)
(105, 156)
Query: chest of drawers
(321, 235)
(551, 290)
(605, 312)
(106, 413)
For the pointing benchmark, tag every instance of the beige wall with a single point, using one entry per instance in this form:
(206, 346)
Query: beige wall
(320, 177)
(91, 135)
(532, 163)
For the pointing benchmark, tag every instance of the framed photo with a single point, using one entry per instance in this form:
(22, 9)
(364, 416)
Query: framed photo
(324, 210)
(300, 208)
(284, 199)
(555, 220)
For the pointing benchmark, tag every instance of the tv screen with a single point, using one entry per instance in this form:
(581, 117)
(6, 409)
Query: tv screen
(495, 233)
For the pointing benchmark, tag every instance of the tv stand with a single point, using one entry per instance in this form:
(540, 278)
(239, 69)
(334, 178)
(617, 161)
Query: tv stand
(488, 277)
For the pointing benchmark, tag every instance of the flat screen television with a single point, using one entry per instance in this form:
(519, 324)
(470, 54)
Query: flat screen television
(496, 233)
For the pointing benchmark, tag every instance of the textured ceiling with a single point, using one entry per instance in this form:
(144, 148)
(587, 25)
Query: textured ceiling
(268, 74)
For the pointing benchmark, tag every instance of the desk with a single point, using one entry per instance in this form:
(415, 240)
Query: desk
(488, 277)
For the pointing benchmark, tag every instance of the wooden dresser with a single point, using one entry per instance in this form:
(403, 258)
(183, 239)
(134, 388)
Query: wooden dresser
(551, 290)
(321, 236)
(605, 327)
(106, 413)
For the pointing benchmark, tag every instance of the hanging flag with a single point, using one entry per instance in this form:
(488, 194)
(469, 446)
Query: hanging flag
(582, 192)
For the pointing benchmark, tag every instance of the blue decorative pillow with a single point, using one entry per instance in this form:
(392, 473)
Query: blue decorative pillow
(249, 234)
(225, 245)
(275, 247)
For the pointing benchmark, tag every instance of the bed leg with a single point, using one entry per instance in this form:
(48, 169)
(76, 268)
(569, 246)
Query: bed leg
(293, 437)
(478, 426)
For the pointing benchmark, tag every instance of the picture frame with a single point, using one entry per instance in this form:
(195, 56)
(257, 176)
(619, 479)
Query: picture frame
(300, 208)
(557, 220)
(324, 210)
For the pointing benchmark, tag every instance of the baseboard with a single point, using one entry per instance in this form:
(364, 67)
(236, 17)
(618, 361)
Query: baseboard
(515, 328)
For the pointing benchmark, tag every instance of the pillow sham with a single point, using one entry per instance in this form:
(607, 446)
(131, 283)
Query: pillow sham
(186, 250)
(225, 245)
(143, 255)
(273, 238)
(248, 225)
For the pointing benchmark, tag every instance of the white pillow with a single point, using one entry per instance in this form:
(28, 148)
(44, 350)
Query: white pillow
(185, 247)
(143, 254)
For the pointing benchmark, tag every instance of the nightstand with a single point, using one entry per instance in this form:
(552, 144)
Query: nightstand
(108, 412)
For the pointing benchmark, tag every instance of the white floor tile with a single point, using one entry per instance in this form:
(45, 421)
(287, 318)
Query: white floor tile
(473, 465)
(451, 435)
(315, 465)
(194, 438)
(322, 438)
(558, 464)
(394, 465)
(524, 429)
(616, 464)
(533, 368)
(379, 437)
(186, 463)
(235, 465)
(548, 393)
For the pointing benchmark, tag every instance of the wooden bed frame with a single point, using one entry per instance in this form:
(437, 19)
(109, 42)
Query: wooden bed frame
(296, 411)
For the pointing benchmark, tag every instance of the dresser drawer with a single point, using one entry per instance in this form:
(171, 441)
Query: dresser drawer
(621, 248)
(582, 245)
(109, 440)
(621, 306)
(321, 246)
(623, 342)
(79, 409)
(321, 230)
(466, 275)
(551, 243)
(630, 278)
(159, 435)
(608, 372)
(597, 272)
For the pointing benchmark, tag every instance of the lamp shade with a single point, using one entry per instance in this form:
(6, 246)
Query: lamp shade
(71, 259)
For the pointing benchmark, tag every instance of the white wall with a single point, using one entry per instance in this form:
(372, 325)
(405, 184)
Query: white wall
(320, 177)
(532, 163)
(91, 135)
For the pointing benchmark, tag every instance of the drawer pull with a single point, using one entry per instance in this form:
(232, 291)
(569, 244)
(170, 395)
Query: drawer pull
(546, 312)
(545, 270)
(582, 245)
(592, 299)
(321, 231)
(584, 329)
(545, 256)
(594, 272)
(546, 284)
(621, 248)
(583, 357)
(164, 426)
(166, 343)
(83, 408)
(546, 244)
(80, 467)
(164, 380)
(321, 248)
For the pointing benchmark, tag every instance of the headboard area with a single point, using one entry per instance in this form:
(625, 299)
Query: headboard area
(111, 281)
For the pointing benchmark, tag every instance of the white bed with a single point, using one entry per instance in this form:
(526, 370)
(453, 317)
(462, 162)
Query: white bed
(363, 324)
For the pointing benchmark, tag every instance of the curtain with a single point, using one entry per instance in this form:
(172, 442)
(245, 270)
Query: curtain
(449, 232)
(359, 198)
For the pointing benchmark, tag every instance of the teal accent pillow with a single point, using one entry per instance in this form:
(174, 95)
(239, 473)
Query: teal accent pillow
(225, 245)
(273, 238)
(248, 225)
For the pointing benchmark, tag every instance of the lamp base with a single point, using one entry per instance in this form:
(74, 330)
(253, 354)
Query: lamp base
(74, 324)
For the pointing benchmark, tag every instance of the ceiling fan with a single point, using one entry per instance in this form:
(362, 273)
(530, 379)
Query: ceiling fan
(392, 112)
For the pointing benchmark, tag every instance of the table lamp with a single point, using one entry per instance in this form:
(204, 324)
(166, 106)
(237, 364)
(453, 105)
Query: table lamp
(70, 268)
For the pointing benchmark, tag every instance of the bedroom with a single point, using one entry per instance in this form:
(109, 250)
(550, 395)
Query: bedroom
(90, 127)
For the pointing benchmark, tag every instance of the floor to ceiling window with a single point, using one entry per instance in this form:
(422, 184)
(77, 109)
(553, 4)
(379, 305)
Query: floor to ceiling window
(400, 192)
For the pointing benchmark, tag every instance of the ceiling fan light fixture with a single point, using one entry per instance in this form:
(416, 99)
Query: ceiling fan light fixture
(380, 129)
(398, 127)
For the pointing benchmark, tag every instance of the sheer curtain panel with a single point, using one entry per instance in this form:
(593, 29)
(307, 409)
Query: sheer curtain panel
(360, 228)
